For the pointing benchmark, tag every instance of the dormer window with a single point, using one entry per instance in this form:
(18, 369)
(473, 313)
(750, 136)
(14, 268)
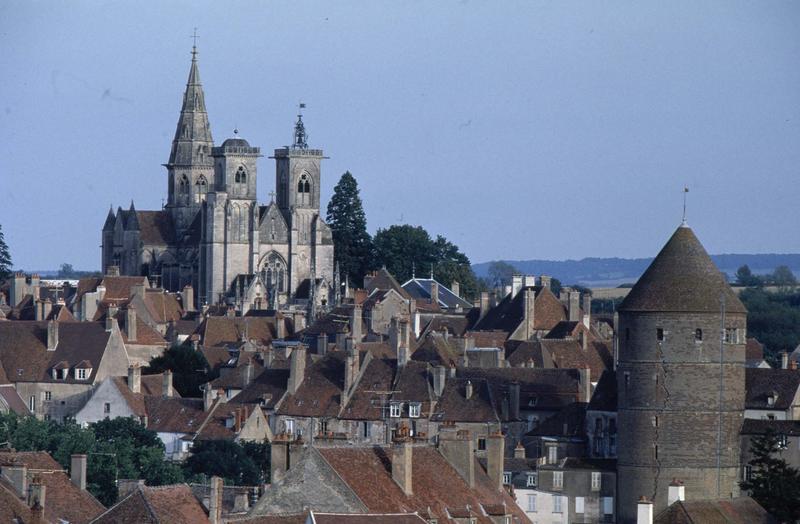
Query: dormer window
(414, 409)
(506, 477)
(771, 399)
(530, 482)
(394, 409)
(82, 373)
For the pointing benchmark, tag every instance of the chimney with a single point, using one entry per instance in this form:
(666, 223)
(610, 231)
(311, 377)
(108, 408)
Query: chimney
(676, 492)
(513, 400)
(36, 496)
(280, 326)
(573, 306)
(34, 287)
(403, 353)
(187, 298)
(516, 285)
(52, 335)
(47, 306)
(458, 448)
(468, 390)
(495, 456)
(484, 303)
(455, 287)
(166, 384)
(439, 379)
(585, 375)
(587, 310)
(130, 322)
(545, 281)
(17, 475)
(322, 344)
(208, 397)
(248, 372)
(38, 311)
(355, 322)
(583, 338)
(18, 289)
(352, 364)
(519, 451)
(215, 501)
(297, 369)
(112, 271)
(368, 279)
(785, 360)
(434, 293)
(402, 453)
(135, 378)
(529, 313)
(77, 471)
(644, 512)
(137, 289)
(279, 458)
(110, 320)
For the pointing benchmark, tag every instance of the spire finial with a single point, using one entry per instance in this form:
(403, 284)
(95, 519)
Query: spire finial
(683, 220)
(194, 44)
(300, 137)
(236, 132)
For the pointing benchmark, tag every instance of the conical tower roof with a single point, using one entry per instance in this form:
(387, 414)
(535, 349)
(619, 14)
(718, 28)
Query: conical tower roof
(109, 224)
(682, 278)
(193, 131)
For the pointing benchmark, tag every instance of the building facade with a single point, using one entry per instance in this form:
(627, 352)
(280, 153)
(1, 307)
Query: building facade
(213, 234)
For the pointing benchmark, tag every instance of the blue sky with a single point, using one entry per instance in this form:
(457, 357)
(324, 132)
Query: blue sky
(515, 129)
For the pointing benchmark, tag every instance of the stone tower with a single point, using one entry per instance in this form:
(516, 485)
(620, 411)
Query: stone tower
(297, 179)
(190, 167)
(229, 238)
(680, 379)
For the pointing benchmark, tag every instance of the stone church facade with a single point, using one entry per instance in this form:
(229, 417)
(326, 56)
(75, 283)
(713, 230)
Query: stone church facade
(214, 235)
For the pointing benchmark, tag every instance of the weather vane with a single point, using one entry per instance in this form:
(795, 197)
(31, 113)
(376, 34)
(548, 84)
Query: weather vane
(194, 38)
(685, 191)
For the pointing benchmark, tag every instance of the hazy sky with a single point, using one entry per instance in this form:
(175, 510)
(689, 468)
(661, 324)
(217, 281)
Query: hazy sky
(517, 130)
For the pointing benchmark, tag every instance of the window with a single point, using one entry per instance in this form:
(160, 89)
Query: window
(660, 334)
(414, 409)
(506, 477)
(481, 444)
(200, 189)
(304, 190)
(241, 175)
(32, 404)
(732, 336)
(289, 426)
(323, 427)
(698, 335)
(552, 454)
(558, 479)
(557, 504)
(596, 479)
(530, 482)
(107, 408)
(47, 417)
(48, 395)
(608, 505)
(81, 373)
(394, 409)
(183, 189)
(579, 505)
(747, 472)
(367, 430)
(532, 503)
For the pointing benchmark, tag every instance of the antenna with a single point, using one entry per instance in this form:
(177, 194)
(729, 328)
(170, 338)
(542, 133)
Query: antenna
(685, 191)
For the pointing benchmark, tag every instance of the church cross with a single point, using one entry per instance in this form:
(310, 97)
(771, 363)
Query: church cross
(194, 38)
(272, 196)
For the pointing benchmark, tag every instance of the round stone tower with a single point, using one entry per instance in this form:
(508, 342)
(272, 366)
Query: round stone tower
(680, 380)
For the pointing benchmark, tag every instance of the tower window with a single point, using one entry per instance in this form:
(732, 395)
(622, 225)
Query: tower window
(201, 189)
(304, 190)
(660, 334)
(698, 335)
(241, 175)
(183, 188)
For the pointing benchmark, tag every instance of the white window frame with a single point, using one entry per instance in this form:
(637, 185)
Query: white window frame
(395, 409)
(531, 503)
(414, 409)
(557, 504)
(608, 505)
(530, 481)
(558, 479)
(81, 373)
(506, 477)
(596, 480)
(552, 454)
(48, 395)
(580, 505)
(289, 423)
(32, 403)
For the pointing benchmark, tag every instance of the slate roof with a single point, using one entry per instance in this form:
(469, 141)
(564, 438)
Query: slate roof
(436, 485)
(266, 389)
(569, 354)
(741, 510)
(453, 406)
(455, 325)
(683, 279)
(63, 500)
(761, 383)
(604, 397)
(372, 518)
(372, 391)
(24, 355)
(546, 389)
(779, 427)
(569, 422)
(382, 279)
(320, 394)
(156, 505)
(420, 290)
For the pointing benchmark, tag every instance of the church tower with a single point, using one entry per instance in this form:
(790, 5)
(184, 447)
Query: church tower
(680, 380)
(190, 167)
(298, 183)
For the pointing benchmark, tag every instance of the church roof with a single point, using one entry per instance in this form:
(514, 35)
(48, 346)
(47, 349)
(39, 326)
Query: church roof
(155, 227)
(682, 278)
(193, 129)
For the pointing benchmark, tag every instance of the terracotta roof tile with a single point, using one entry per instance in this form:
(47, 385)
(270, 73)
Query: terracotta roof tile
(320, 394)
(742, 510)
(372, 391)
(163, 504)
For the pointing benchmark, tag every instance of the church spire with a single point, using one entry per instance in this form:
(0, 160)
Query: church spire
(192, 143)
(300, 136)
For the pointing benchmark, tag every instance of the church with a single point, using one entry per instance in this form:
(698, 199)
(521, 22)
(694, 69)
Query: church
(213, 234)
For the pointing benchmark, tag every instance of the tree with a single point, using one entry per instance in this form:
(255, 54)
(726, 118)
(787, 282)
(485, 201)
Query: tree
(500, 273)
(773, 483)
(226, 459)
(773, 318)
(745, 277)
(351, 242)
(5, 259)
(189, 367)
(783, 276)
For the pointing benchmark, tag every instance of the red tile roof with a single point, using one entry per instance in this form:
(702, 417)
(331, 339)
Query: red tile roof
(164, 504)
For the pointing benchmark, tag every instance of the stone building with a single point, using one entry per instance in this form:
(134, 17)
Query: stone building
(680, 379)
(213, 234)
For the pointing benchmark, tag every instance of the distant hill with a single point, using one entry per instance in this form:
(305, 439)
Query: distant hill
(609, 272)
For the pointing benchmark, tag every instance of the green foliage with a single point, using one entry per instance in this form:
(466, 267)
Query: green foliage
(67, 271)
(189, 367)
(406, 249)
(229, 460)
(5, 258)
(116, 449)
(745, 277)
(773, 318)
(500, 273)
(773, 483)
(782, 277)
(352, 244)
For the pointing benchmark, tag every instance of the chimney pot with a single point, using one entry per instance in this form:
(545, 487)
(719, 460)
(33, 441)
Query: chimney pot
(644, 512)
(785, 360)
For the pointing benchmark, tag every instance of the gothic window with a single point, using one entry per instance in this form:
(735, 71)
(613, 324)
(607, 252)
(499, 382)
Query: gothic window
(236, 219)
(304, 190)
(201, 188)
(183, 189)
(241, 175)
(273, 272)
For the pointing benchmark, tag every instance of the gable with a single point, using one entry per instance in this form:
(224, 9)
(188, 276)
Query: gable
(272, 228)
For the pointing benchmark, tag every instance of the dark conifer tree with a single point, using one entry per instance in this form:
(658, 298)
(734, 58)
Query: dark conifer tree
(5, 258)
(352, 244)
(773, 483)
